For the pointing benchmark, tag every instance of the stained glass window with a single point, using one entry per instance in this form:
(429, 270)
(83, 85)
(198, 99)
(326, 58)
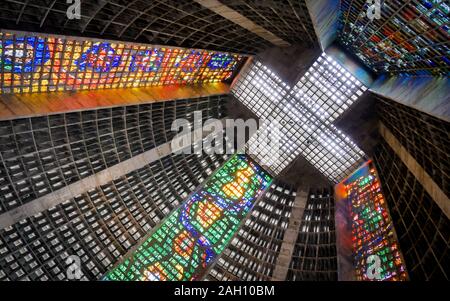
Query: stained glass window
(37, 63)
(189, 240)
(372, 229)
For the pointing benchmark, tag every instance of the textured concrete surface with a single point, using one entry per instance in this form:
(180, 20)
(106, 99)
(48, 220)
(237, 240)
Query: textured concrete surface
(325, 18)
(291, 63)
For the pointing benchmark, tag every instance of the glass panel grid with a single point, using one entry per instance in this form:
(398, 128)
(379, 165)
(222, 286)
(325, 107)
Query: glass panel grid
(102, 224)
(252, 253)
(260, 89)
(36, 63)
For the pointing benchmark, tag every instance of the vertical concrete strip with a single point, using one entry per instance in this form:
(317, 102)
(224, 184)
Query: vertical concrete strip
(101, 178)
(290, 236)
(436, 193)
(242, 21)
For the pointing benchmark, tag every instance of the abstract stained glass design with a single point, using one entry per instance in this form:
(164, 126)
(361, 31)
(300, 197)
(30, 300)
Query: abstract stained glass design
(37, 63)
(188, 241)
(372, 229)
(410, 37)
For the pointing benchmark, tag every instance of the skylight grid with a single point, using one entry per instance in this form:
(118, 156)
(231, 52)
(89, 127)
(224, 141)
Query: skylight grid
(305, 122)
(303, 133)
(324, 146)
(259, 88)
(33, 62)
(187, 243)
(412, 37)
(327, 89)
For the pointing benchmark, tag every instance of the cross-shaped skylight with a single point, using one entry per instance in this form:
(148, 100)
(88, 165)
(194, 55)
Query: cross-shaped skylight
(305, 113)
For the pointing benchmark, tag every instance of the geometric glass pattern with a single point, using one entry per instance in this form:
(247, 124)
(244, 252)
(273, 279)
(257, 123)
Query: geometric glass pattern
(41, 63)
(327, 89)
(260, 89)
(411, 37)
(182, 23)
(305, 114)
(372, 230)
(190, 239)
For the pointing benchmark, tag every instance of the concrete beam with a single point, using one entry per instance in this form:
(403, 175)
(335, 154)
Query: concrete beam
(242, 21)
(436, 193)
(325, 18)
(290, 236)
(426, 94)
(103, 177)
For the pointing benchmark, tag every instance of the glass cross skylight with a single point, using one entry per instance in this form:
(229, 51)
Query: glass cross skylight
(305, 114)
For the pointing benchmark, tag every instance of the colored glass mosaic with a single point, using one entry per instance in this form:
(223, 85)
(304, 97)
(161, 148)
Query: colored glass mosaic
(372, 229)
(409, 38)
(189, 240)
(38, 63)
